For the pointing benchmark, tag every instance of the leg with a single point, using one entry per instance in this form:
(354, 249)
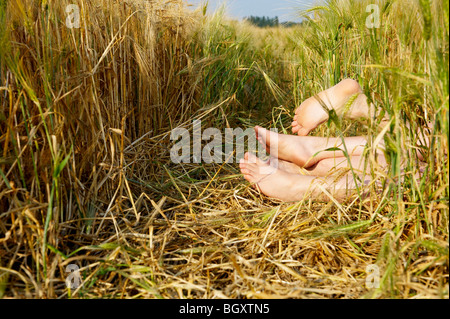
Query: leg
(358, 164)
(289, 187)
(311, 112)
(306, 151)
(329, 165)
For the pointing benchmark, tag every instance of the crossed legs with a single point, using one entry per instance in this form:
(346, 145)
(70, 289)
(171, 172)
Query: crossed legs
(293, 173)
(302, 163)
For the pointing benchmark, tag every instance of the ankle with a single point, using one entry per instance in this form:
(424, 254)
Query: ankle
(350, 87)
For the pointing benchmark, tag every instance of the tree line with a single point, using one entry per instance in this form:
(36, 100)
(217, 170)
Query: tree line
(264, 22)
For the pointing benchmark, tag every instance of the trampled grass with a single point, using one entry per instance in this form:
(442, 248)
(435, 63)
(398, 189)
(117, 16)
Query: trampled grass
(86, 176)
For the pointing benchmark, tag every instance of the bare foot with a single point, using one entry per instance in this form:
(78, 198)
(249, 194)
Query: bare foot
(295, 149)
(274, 182)
(306, 151)
(311, 113)
(290, 187)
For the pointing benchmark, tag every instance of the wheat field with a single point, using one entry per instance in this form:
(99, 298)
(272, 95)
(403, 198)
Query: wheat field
(86, 177)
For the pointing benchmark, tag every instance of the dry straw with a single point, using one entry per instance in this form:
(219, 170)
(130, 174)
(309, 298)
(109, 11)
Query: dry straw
(86, 176)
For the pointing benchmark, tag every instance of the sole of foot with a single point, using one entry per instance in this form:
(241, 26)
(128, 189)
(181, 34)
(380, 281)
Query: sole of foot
(291, 148)
(311, 112)
(274, 182)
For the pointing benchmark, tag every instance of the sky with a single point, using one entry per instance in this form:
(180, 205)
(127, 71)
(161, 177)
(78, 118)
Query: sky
(284, 9)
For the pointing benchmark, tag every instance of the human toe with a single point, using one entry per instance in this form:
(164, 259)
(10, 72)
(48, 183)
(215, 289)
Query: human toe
(252, 158)
(303, 131)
